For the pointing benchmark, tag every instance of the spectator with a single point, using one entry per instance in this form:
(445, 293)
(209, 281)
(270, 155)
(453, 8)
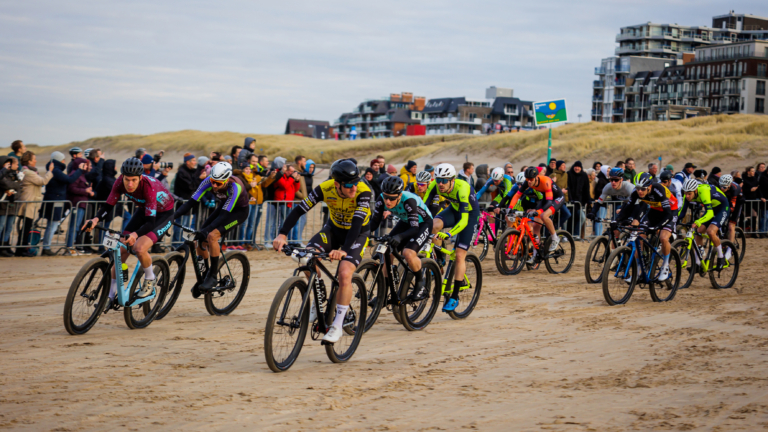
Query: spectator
(301, 193)
(653, 170)
(596, 166)
(234, 155)
(686, 173)
(275, 173)
(509, 170)
(669, 168)
(376, 167)
(10, 187)
(551, 167)
(184, 185)
(263, 165)
(430, 169)
(579, 192)
(149, 165)
(308, 173)
(31, 190)
(254, 206)
(97, 163)
(370, 179)
(714, 176)
(468, 169)
(736, 174)
(56, 190)
(103, 189)
(285, 192)
(75, 153)
(762, 181)
(751, 190)
(382, 165)
(78, 193)
(408, 173)
(629, 170)
(700, 175)
(140, 153)
(17, 149)
(560, 177)
(601, 180)
(620, 164)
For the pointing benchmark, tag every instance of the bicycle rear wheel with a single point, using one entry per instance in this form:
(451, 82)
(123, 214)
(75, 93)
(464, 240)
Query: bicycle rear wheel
(688, 265)
(87, 294)
(481, 248)
(354, 323)
(470, 294)
(141, 316)
(286, 330)
(726, 277)
(373, 277)
(597, 255)
(666, 290)
(177, 268)
(561, 259)
(615, 289)
(417, 315)
(509, 261)
(740, 242)
(234, 275)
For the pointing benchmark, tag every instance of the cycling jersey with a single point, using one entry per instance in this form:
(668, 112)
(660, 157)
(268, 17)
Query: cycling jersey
(410, 208)
(736, 200)
(713, 200)
(433, 206)
(530, 197)
(622, 194)
(462, 201)
(150, 195)
(232, 195)
(553, 196)
(504, 186)
(659, 198)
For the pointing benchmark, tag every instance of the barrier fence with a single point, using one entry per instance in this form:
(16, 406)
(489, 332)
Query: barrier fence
(55, 225)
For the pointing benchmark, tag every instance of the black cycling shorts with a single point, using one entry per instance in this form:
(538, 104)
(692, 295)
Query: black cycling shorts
(224, 221)
(451, 217)
(720, 218)
(556, 204)
(417, 240)
(735, 214)
(656, 218)
(332, 237)
(162, 224)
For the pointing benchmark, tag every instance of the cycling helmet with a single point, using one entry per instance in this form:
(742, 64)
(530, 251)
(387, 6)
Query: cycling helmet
(531, 173)
(222, 171)
(423, 177)
(617, 172)
(643, 180)
(497, 174)
(87, 152)
(725, 181)
(665, 175)
(445, 170)
(637, 177)
(392, 185)
(520, 177)
(345, 171)
(690, 185)
(132, 167)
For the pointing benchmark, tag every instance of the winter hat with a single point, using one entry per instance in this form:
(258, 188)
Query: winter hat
(147, 159)
(429, 168)
(558, 163)
(57, 156)
(669, 168)
(410, 165)
(188, 157)
(577, 164)
(391, 169)
(278, 162)
(370, 170)
(202, 160)
(716, 170)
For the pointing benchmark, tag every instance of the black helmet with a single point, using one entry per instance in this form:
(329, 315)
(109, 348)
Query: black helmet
(132, 167)
(665, 175)
(345, 171)
(531, 173)
(392, 185)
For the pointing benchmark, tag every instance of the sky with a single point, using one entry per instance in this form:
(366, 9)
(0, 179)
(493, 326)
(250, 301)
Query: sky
(74, 70)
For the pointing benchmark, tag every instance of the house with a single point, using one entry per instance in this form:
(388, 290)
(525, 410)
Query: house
(309, 128)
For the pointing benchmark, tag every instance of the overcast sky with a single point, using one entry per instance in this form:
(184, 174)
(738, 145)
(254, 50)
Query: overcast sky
(72, 70)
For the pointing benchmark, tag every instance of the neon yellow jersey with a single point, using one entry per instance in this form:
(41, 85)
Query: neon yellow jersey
(460, 196)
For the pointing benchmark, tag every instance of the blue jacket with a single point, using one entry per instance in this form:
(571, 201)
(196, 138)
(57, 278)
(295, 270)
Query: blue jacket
(56, 189)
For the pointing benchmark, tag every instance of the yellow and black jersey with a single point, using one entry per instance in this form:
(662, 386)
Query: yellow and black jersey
(342, 211)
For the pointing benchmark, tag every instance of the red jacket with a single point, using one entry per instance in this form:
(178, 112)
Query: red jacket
(285, 189)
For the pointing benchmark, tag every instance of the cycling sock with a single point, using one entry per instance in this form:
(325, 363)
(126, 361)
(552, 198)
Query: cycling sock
(214, 264)
(719, 250)
(149, 273)
(113, 289)
(666, 260)
(457, 284)
(341, 312)
(417, 279)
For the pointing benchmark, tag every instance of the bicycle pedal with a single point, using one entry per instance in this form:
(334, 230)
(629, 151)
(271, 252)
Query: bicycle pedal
(323, 342)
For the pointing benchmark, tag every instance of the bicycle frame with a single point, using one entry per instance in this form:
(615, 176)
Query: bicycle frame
(311, 266)
(451, 254)
(125, 298)
(389, 277)
(190, 250)
(689, 238)
(635, 241)
(525, 230)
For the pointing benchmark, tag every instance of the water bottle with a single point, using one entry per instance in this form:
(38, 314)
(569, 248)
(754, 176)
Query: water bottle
(125, 273)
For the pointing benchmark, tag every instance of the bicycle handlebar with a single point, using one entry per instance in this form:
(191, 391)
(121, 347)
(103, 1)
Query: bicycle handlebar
(89, 225)
(288, 250)
(183, 228)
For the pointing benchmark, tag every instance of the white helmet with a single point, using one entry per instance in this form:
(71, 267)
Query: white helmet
(424, 177)
(520, 178)
(222, 171)
(445, 170)
(725, 181)
(497, 174)
(690, 185)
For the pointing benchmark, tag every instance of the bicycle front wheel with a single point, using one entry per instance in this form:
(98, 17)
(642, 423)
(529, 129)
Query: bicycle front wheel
(234, 275)
(619, 276)
(508, 260)
(177, 268)
(354, 323)
(416, 315)
(376, 290)
(141, 316)
(740, 242)
(481, 248)
(597, 255)
(286, 325)
(725, 277)
(687, 262)
(560, 260)
(87, 294)
(666, 290)
(469, 294)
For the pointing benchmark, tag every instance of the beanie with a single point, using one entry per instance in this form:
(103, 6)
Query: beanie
(57, 156)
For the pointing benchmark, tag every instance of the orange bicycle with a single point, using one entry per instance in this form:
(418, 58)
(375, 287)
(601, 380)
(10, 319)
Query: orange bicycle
(517, 244)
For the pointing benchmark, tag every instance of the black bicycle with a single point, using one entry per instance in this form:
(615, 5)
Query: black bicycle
(288, 319)
(389, 285)
(234, 272)
(598, 251)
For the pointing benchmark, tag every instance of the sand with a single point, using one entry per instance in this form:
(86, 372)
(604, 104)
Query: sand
(540, 352)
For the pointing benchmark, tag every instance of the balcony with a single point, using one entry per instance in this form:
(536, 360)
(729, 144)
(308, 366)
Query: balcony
(597, 112)
(717, 74)
(632, 89)
(690, 93)
(729, 73)
(620, 82)
(597, 99)
(715, 92)
(618, 97)
(634, 105)
(622, 69)
(702, 93)
(599, 71)
(732, 91)
(625, 50)
(597, 84)
(625, 36)
(618, 111)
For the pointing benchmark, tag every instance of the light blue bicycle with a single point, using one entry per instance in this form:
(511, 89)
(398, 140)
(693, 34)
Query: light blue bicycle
(89, 292)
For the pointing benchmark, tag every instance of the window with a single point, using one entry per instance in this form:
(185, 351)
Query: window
(759, 105)
(761, 69)
(761, 88)
(742, 104)
(487, 116)
(472, 116)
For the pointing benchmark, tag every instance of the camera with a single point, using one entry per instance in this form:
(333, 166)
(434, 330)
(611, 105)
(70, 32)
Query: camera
(164, 165)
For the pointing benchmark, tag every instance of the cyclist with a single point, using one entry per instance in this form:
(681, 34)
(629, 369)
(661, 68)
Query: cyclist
(736, 197)
(503, 183)
(617, 188)
(461, 216)
(666, 179)
(150, 220)
(413, 229)
(655, 204)
(716, 213)
(423, 179)
(551, 202)
(345, 235)
(231, 211)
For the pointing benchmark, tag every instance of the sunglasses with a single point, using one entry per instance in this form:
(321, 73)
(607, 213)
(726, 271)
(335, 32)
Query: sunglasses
(422, 184)
(615, 180)
(348, 185)
(641, 189)
(218, 183)
(443, 180)
(390, 197)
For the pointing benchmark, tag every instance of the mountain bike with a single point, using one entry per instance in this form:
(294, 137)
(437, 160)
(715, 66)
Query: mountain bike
(469, 294)
(516, 247)
(598, 251)
(740, 241)
(486, 234)
(234, 273)
(694, 261)
(638, 262)
(288, 319)
(89, 291)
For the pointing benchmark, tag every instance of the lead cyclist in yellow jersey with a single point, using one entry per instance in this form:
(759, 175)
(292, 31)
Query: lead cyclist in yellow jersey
(344, 236)
(462, 215)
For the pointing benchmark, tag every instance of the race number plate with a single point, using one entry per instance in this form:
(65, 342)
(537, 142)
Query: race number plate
(188, 236)
(381, 248)
(110, 242)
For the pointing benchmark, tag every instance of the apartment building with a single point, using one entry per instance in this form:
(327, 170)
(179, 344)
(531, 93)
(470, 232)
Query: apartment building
(499, 111)
(381, 118)
(319, 129)
(609, 92)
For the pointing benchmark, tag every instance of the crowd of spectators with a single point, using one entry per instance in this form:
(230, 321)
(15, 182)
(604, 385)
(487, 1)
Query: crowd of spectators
(35, 195)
